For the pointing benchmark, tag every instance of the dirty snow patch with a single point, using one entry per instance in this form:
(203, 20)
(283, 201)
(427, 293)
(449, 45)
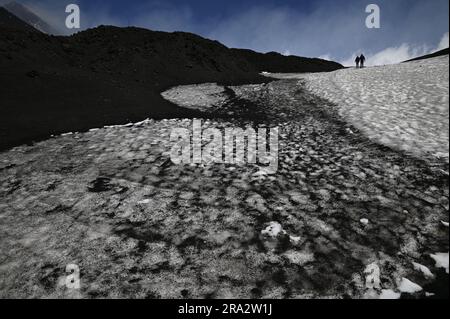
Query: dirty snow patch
(200, 97)
(423, 269)
(273, 230)
(407, 286)
(373, 273)
(403, 106)
(295, 239)
(389, 294)
(364, 221)
(298, 257)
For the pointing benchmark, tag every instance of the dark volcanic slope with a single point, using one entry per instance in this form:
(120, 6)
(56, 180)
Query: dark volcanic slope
(107, 75)
(29, 17)
(158, 59)
(433, 55)
(9, 20)
(275, 62)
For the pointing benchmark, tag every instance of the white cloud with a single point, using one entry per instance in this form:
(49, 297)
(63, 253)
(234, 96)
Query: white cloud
(284, 29)
(349, 61)
(444, 44)
(336, 28)
(388, 56)
(45, 10)
(398, 54)
(325, 57)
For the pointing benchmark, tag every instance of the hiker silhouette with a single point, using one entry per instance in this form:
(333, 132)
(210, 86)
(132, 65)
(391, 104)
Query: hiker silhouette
(362, 60)
(357, 61)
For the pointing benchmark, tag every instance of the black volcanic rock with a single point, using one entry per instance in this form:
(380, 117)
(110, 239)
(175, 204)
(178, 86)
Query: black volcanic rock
(158, 59)
(10, 21)
(109, 75)
(28, 16)
(277, 63)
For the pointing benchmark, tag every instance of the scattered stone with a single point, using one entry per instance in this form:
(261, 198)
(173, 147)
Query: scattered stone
(273, 230)
(101, 184)
(325, 194)
(299, 258)
(294, 239)
(187, 195)
(256, 202)
(364, 221)
(300, 199)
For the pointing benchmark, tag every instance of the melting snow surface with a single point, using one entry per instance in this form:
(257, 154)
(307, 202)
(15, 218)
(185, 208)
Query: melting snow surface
(373, 273)
(407, 286)
(404, 106)
(389, 294)
(201, 96)
(423, 269)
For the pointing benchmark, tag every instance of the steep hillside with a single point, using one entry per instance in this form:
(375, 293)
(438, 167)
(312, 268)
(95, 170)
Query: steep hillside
(10, 21)
(28, 16)
(159, 59)
(111, 75)
(278, 63)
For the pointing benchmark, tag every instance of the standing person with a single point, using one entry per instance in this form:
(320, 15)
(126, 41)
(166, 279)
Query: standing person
(357, 61)
(362, 59)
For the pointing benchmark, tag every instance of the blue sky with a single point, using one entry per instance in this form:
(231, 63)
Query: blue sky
(333, 29)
